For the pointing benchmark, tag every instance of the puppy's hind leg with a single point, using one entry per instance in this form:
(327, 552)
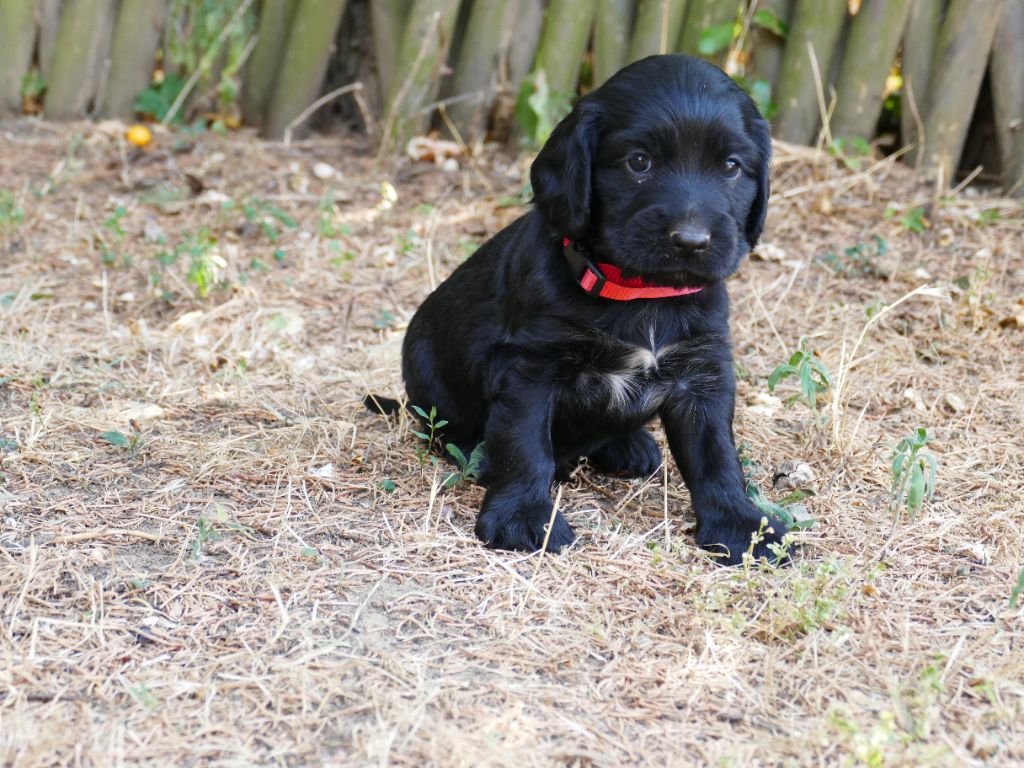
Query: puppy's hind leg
(633, 455)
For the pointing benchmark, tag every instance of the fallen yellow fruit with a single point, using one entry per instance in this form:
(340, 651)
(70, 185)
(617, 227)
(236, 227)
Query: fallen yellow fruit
(139, 135)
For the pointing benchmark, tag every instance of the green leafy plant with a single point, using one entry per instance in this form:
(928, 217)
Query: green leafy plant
(538, 108)
(988, 216)
(859, 259)
(912, 219)
(144, 696)
(1017, 590)
(213, 529)
(327, 225)
(265, 215)
(156, 100)
(766, 19)
(386, 319)
(433, 426)
(130, 443)
(809, 371)
(113, 237)
(784, 508)
(717, 37)
(913, 473)
(733, 36)
(208, 39)
(11, 214)
(206, 265)
(469, 468)
(851, 151)
(205, 534)
(33, 86)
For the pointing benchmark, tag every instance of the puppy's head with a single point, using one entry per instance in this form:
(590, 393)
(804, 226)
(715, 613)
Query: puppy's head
(663, 171)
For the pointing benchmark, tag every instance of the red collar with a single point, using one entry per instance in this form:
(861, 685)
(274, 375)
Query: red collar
(606, 280)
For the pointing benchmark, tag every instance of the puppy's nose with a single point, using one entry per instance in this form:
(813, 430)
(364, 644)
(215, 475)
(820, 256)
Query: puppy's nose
(691, 239)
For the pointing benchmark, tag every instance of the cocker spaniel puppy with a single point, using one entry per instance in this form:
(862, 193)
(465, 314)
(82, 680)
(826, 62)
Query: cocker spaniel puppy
(605, 307)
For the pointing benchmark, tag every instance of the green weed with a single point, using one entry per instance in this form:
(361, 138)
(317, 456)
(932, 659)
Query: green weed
(33, 86)
(851, 152)
(811, 374)
(433, 425)
(209, 530)
(868, 748)
(732, 36)
(208, 37)
(114, 235)
(912, 219)
(130, 443)
(205, 534)
(539, 109)
(1017, 590)
(12, 215)
(784, 508)
(205, 264)
(988, 216)
(857, 260)
(156, 100)
(469, 468)
(144, 696)
(264, 215)
(913, 473)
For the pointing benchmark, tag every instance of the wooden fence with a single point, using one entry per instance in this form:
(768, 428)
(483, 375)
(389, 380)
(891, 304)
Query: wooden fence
(842, 73)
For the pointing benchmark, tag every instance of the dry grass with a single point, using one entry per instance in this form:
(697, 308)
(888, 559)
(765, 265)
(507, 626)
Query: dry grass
(316, 618)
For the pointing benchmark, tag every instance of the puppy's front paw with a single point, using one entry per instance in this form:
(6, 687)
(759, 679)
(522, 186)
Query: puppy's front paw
(635, 455)
(508, 524)
(730, 536)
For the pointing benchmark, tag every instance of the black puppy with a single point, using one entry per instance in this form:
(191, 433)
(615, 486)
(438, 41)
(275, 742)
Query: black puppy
(605, 306)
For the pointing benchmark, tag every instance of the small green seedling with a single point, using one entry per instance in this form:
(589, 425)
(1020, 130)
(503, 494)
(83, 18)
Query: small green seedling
(205, 535)
(433, 424)
(851, 151)
(266, 216)
(206, 265)
(538, 108)
(779, 509)
(779, 551)
(913, 473)
(1017, 590)
(11, 214)
(111, 243)
(859, 259)
(811, 373)
(988, 216)
(130, 444)
(469, 469)
(144, 696)
(912, 220)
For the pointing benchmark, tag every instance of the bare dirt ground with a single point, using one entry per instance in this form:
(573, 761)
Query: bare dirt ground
(210, 554)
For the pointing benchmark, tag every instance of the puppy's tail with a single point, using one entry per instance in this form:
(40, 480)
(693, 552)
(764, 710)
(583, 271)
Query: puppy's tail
(385, 406)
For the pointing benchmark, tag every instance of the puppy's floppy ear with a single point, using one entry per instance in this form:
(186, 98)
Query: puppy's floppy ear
(759, 209)
(561, 173)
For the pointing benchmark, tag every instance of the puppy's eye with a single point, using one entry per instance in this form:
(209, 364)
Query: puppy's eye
(731, 167)
(639, 162)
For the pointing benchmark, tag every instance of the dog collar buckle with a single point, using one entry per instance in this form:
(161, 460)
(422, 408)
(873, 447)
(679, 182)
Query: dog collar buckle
(587, 273)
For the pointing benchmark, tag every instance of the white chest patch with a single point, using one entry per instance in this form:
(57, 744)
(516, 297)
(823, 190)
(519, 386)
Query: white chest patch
(632, 380)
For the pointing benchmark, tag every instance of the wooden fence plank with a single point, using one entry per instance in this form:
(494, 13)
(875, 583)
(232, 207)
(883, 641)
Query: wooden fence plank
(303, 64)
(17, 39)
(133, 54)
(870, 51)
